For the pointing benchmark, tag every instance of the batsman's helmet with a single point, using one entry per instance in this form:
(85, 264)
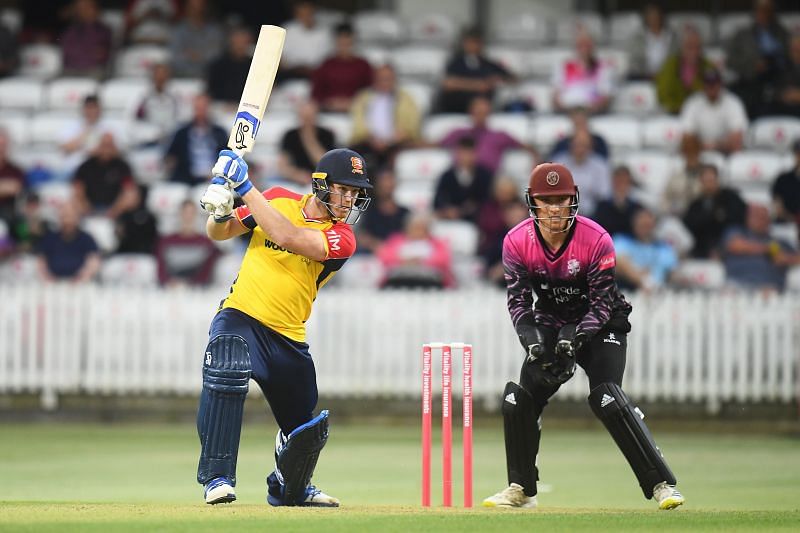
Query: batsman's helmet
(345, 167)
(552, 179)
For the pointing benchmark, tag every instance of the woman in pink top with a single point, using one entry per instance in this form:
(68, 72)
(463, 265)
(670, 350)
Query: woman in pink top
(579, 316)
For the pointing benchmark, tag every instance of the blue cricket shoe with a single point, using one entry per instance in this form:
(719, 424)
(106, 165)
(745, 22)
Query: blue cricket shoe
(314, 497)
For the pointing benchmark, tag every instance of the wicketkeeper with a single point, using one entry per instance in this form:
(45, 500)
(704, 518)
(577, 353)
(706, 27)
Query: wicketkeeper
(298, 243)
(580, 318)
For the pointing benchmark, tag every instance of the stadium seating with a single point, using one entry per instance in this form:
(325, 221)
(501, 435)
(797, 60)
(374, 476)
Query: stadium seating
(122, 94)
(375, 55)
(263, 162)
(420, 62)
(130, 270)
(701, 274)
(52, 196)
(12, 19)
(378, 27)
(460, 235)
(616, 59)
(754, 167)
(279, 123)
(102, 231)
(340, 124)
(415, 195)
(515, 60)
(638, 98)
(620, 132)
(226, 268)
(422, 164)
(19, 93)
(185, 89)
(137, 61)
(436, 127)
(17, 125)
(517, 125)
(517, 165)
(623, 26)
(538, 95)
(19, 269)
(147, 164)
(40, 61)
(670, 229)
(69, 93)
(652, 171)
(775, 133)
(793, 279)
(567, 27)
(115, 20)
(422, 93)
(164, 201)
(786, 231)
(434, 29)
(521, 29)
(728, 24)
(662, 132)
(678, 21)
(287, 95)
(547, 129)
(543, 63)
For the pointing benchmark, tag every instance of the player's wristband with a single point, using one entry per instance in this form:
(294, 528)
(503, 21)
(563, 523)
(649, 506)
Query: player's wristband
(220, 220)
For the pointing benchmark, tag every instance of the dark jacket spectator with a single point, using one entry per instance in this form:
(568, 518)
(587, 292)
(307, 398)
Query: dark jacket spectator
(69, 253)
(616, 213)
(188, 256)
(86, 43)
(100, 182)
(385, 216)
(136, 227)
(9, 52)
(12, 180)
(709, 216)
(464, 187)
(469, 74)
(580, 123)
(339, 78)
(228, 73)
(785, 99)
(303, 146)
(195, 147)
(786, 191)
(504, 210)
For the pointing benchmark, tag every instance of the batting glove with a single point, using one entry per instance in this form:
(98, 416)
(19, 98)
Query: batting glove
(233, 170)
(218, 202)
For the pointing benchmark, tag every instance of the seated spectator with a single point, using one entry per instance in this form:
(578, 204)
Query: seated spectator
(681, 75)
(470, 74)
(385, 119)
(101, 181)
(81, 137)
(757, 54)
(616, 213)
(194, 147)
(307, 43)
(9, 52)
(136, 227)
(591, 173)
(150, 21)
(490, 144)
(29, 225)
(643, 262)
(195, 41)
(583, 81)
(785, 100)
(504, 210)
(188, 256)
(786, 191)
(339, 78)
(303, 146)
(683, 185)
(228, 72)
(385, 216)
(752, 258)
(12, 181)
(580, 122)
(70, 253)
(159, 106)
(716, 116)
(712, 213)
(464, 187)
(86, 43)
(415, 258)
(652, 44)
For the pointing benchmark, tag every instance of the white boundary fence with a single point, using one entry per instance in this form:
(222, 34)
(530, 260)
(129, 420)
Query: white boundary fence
(685, 347)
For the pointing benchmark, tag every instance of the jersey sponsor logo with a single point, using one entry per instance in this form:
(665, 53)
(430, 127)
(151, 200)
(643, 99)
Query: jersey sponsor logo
(334, 240)
(573, 266)
(271, 245)
(607, 262)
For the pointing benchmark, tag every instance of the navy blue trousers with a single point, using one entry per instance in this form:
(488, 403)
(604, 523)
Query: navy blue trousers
(283, 368)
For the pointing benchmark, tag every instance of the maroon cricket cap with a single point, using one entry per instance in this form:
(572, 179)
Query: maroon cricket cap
(551, 179)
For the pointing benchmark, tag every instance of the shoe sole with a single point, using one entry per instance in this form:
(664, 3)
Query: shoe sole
(670, 503)
(493, 505)
(279, 503)
(228, 498)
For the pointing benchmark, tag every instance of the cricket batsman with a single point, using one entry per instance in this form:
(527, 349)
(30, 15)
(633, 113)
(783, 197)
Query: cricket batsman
(579, 317)
(298, 243)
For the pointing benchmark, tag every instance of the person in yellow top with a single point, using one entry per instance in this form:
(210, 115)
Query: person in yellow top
(298, 243)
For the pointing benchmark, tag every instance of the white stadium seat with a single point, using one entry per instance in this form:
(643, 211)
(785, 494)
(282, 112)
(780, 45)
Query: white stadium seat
(130, 270)
(776, 133)
(45, 157)
(422, 164)
(754, 167)
(433, 29)
(47, 127)
(637, 97)
(786, 231)
(700, 274)
(340, 124)
(622, 26)
(375, 55)
(567, 27)
(617, 59)
(147, 164)
(549, 129)
(102, 231)
(17, 125)
(518, 125)
(12, 19)
(226, 268)
(40, 61)
(701, 22)
(420, 62)
(287, 95)
(793, 279)
(758, 194)
(378, 27)
(790, 21)
(164, 201)
(468, 271)
(670, 229)
(123, 94)
(662, 132)
(21, 94)
(517, 165)
(545, 60)
(69, 93)
(415, 195)
(361, 271)
(52, 196)
(515, 60)
(436, 127)
(460, 235)
(185, 89)
(523, 29)
(619, 131)
(115, 20)
(137, 61)
(538, 95)
(274, 127)
(264, 161)
(729, 23)
(652, 170)
(422, 93)
(20, 268)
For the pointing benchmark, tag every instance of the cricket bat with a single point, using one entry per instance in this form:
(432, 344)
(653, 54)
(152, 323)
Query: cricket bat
(257, 89)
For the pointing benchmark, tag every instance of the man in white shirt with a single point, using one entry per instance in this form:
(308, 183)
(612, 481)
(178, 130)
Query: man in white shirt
(715, 116)
(307, 44)
(81, 136)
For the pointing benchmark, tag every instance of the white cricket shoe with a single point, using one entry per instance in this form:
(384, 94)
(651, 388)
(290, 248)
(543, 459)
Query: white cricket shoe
(511, 496)
(667, 496)
(219, 490)
(316, 498)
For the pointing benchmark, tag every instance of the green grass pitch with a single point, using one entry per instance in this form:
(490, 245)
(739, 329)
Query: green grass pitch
(133, 477)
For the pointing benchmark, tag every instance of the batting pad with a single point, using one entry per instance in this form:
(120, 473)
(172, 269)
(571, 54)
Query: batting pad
(296, 457)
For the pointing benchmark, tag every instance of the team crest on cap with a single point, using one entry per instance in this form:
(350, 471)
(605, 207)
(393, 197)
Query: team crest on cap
(552, 178)
(358, 165)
